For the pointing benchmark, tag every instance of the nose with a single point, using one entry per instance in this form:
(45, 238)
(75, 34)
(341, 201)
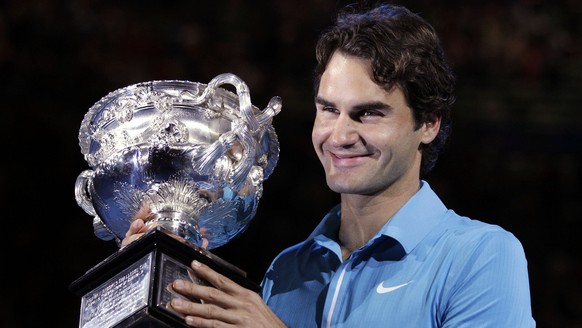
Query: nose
(344, 131)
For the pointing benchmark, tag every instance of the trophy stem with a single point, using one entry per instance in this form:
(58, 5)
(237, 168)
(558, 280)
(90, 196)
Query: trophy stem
(178, 223)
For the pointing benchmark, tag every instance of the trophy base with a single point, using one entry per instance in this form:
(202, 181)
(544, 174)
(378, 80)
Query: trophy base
(131, 288)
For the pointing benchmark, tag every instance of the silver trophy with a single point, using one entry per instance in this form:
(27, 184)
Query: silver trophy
(188, 158)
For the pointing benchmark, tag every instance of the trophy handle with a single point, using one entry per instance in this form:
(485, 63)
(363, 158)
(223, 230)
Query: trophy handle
(242, 91)
(245, 130)
(82, 195)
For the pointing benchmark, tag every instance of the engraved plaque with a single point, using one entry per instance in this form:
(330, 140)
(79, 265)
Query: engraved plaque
(119, 297)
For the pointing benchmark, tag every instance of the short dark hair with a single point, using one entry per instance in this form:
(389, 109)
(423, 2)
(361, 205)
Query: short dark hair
(403, 50)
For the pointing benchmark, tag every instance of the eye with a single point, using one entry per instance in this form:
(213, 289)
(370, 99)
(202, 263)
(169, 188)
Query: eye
(370, 113)
(330, 109)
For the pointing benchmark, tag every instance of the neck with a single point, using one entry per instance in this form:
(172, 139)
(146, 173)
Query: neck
(364, 215)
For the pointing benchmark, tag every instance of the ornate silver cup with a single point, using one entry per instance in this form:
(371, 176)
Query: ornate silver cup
(188, 158)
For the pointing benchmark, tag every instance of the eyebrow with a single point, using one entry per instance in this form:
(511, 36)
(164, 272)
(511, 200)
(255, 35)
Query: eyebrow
(321, 101)
(374, 105)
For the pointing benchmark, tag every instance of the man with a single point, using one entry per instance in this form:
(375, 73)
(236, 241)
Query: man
(390, 254)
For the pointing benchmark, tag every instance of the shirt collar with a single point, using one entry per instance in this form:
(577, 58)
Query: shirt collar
(419, 215)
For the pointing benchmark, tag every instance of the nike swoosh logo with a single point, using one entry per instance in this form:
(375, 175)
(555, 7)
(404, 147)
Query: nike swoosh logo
(383, 290)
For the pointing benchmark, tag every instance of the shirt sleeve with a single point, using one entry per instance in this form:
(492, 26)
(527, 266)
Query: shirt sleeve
(491, 285)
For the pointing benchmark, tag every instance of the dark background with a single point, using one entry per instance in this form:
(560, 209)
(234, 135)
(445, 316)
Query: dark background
(514, 157)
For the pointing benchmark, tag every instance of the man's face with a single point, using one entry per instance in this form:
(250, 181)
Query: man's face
(364, 135)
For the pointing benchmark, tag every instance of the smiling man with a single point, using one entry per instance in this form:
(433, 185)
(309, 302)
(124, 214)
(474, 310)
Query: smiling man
(391, 254)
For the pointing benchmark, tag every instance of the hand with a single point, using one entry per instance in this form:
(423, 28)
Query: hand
(136, 230)
(227, 304)
(138, 226)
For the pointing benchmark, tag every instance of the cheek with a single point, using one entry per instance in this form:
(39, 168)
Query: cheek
(317, 142)
(317, 134)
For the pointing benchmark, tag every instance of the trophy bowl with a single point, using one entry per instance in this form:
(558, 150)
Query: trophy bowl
(190, 160)
(185, 156)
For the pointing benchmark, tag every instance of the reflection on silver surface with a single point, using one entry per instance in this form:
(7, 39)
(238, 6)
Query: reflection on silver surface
(187, 156)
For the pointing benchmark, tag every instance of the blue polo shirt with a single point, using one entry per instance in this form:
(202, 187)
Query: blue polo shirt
(426, 267)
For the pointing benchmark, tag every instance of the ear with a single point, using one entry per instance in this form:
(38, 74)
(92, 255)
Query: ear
(430, 130)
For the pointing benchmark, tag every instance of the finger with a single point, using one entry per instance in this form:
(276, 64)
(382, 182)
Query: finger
(204, 293)
(135, 227)
(217, 280)
(143, 212)
(130, 239)
(203, 314)
(197, 289)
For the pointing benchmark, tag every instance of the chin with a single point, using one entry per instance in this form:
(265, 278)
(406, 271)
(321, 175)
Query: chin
(341, 188)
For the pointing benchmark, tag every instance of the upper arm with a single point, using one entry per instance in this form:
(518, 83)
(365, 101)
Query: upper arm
(492, 286)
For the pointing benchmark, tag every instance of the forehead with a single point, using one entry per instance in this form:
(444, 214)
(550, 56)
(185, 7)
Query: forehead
(347, 80)
(347, 68)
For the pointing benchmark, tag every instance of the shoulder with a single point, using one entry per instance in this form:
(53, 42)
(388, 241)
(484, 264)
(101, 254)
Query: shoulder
(469, 230)
(287, 269)
(471, 243)
(464, 241)
(486, 266)
(293, 253)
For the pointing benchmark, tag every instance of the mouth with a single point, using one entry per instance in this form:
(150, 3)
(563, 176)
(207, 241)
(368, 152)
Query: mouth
(343, 156)
(347, 159)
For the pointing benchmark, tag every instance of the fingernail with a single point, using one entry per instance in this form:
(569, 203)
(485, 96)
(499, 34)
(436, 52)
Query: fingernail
(177, 302)
(196, 264)
(178, 284)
